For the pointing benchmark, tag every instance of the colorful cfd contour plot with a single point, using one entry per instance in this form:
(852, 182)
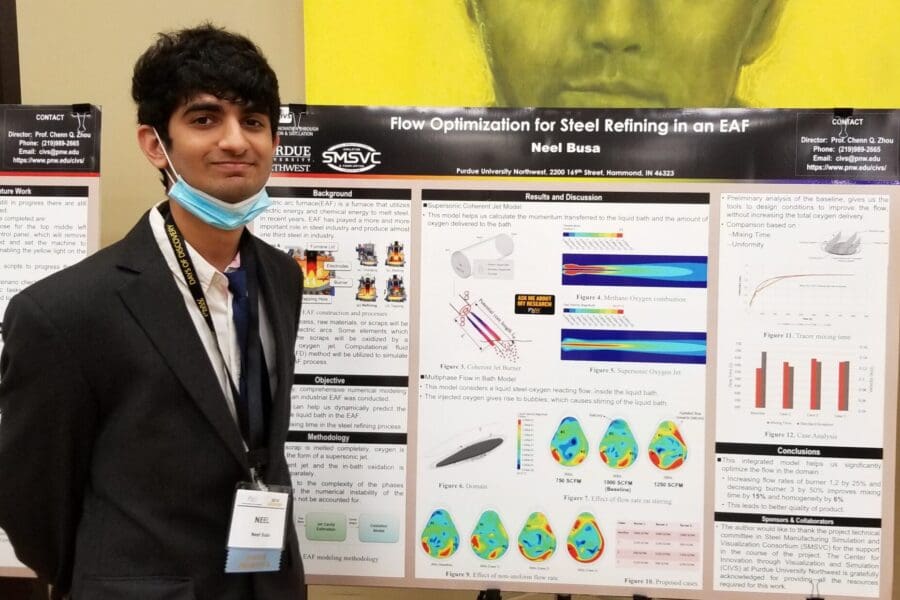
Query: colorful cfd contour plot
(569, 445)
(618, 448)
(634, 270)
(489, 539)
(440, 538)
(668, 450)
(585, 541)
(537, 542)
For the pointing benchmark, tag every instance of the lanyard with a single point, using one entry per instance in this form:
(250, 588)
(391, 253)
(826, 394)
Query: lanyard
(253, 422)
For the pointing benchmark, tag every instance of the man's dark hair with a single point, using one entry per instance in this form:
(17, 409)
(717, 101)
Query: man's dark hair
(204, 59)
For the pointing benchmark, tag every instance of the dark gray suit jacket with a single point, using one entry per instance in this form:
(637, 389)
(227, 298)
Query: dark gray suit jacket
(118, 454)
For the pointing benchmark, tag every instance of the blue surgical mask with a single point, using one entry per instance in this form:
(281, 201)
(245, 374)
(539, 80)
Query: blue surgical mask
(209, 209)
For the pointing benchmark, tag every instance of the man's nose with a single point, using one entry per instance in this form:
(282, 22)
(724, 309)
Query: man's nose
(617, 26)
(234, 138)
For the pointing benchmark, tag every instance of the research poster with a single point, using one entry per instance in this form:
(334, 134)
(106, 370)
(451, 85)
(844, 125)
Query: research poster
(49, 205)
(573, 339)
(347, 445)
(594, 351)
(799, 465)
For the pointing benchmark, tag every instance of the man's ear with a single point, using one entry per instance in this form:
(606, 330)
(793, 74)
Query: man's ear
(151, 146)
(760, 37)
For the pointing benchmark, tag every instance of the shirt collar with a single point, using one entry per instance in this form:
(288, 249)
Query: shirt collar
(206, 273)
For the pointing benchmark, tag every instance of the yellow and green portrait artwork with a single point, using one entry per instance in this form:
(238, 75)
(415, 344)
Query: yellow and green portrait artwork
(604, 53)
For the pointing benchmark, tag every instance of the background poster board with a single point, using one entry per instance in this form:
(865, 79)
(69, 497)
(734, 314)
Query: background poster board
(49, 205)
(821, 53)
(662, 335)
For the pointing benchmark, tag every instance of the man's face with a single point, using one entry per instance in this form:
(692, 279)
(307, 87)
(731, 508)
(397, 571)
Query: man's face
(220, 147)
(619, 53)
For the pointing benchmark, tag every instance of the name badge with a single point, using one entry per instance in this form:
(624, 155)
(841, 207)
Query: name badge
(256, 535)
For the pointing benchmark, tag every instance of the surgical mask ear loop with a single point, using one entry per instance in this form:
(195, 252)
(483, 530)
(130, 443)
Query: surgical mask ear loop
(172, 178)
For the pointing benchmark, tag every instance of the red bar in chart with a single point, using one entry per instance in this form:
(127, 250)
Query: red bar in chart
(815, 384)
(844, 385)
(761, 382)
(787, 385)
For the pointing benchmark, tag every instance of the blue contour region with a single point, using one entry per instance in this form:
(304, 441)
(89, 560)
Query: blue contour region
(680, 347)
(537, 542)
(571, 444)
(669, 447)
(642, 270)
(569, 448)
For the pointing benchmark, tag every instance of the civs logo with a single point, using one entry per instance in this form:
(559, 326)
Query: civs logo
(351, 157)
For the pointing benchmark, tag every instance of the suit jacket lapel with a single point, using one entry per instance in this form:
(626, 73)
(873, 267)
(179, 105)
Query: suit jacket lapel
(156, 304)
(280, 321)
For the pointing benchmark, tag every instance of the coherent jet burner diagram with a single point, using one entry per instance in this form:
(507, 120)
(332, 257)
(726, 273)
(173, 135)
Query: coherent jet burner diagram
(485, 259)
(488, 258)
(479, 323)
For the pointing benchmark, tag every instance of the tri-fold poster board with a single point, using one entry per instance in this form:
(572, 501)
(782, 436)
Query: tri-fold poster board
(590, 351)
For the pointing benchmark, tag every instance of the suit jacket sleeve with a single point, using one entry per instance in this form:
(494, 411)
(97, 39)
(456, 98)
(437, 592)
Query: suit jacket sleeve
(47, 422)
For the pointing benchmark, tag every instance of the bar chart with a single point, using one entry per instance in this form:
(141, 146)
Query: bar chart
(786, 374)
(787, 390)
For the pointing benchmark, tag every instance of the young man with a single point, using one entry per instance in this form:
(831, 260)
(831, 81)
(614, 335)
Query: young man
(622, 53)
(141, 387)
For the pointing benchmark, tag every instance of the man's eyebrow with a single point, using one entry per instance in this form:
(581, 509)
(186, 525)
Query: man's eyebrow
(247, 108)
(202, 107)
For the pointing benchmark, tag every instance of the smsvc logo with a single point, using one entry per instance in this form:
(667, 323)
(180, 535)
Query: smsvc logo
(351, 157)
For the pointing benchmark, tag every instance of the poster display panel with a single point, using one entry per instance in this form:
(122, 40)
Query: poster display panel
(49, 205)
(594, 351)
(347, 445)
(800, 467)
